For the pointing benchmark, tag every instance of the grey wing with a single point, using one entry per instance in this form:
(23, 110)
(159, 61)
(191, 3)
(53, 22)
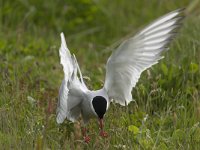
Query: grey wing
(72, 89)
(138, 53)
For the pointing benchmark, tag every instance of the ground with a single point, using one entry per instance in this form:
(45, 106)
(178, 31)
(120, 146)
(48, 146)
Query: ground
(166, 110)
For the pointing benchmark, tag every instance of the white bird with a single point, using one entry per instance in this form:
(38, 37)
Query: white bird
(123, 69)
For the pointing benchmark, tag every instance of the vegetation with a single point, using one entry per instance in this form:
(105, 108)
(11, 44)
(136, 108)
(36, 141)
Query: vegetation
(166, 110)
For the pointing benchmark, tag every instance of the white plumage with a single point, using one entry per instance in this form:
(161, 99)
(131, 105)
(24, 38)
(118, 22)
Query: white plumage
(136, 54)
(123, 70)
(72, 89)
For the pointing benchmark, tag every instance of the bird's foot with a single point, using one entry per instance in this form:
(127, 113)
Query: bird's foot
(86, 139)
(103, 134)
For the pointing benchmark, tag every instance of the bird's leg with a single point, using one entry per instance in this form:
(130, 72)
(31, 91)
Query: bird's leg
(85, 136)
(102, 132)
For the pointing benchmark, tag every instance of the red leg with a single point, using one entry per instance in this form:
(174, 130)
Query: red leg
(85, 136)
(102, 132)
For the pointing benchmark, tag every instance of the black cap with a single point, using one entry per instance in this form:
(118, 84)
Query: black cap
(99, 104)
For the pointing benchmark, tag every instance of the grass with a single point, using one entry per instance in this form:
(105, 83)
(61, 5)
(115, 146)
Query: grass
(166, 111)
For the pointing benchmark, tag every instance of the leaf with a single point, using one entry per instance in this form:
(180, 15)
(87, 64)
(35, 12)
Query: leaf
(193, 68)
(133, 129)
(164, 69)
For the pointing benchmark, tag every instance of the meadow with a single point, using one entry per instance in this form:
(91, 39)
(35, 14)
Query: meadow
(165, 113)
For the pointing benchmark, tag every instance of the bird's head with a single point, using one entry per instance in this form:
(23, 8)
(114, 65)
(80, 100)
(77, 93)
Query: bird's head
(99, 104)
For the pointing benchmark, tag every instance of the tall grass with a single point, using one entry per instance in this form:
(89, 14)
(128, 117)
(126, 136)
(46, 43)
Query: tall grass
(166, 110)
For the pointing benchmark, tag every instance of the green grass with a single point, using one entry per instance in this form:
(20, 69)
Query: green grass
(166, 111)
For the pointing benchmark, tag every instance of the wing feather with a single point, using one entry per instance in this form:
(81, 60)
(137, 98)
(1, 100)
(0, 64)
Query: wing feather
(138, 53)
(72, 89)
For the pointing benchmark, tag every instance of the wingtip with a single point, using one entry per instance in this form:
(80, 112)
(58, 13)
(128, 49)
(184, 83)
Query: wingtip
(181, 9)
(62, 36)
(177, 12)
(63, 41)
(58, 120)
(181, 12)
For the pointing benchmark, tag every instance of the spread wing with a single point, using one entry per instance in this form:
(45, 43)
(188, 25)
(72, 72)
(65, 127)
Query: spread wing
(138, 53)
(72, 89)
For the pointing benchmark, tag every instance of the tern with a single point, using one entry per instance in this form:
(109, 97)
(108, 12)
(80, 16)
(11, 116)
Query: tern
(123, 70)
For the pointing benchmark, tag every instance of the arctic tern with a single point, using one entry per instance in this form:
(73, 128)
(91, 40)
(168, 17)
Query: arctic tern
(123, 69)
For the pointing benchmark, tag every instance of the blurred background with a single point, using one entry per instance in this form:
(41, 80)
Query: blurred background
(166, 111)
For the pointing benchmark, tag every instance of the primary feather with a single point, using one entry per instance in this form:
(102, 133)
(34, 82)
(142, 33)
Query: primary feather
(72, 89)
(138, 53)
